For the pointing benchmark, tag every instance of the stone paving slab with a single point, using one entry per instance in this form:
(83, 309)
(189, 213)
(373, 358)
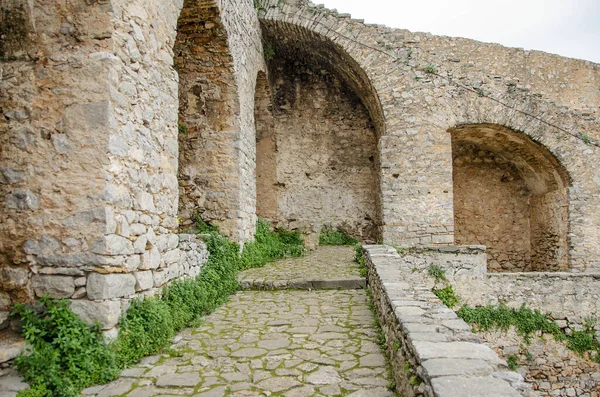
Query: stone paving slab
(264, 343)
(329, 267)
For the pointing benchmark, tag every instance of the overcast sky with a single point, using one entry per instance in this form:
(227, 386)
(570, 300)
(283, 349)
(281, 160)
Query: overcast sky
(566, 27)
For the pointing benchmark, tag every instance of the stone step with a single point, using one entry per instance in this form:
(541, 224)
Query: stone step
(345, 283)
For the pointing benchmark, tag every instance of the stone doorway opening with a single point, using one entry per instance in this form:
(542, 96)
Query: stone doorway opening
(511, 195)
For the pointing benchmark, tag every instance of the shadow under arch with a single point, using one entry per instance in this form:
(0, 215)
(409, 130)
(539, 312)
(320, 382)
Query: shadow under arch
(510, 194)
(290, 41)
(328, 119)
(209, 117)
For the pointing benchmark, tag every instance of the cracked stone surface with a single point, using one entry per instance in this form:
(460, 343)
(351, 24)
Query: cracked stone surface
(329, 267)
(269, 343)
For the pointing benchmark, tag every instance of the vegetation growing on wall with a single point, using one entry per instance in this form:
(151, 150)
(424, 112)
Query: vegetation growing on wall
(335, 236)
(446, 293)
(527, 322)
(66, 355)
(358, 256)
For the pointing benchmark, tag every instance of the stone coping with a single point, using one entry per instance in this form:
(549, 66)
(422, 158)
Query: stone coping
(432, 351)
(462, 249)
(561, 275)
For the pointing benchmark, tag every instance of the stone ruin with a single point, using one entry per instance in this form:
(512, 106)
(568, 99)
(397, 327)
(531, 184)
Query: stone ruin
(123, 120)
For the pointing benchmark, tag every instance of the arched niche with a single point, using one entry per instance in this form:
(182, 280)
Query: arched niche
(327, 121)
(510, 194)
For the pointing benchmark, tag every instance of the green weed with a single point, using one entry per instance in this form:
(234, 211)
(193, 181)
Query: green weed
(358, 256)
(447, 296)
(430, 68)
(437, 272)
(333, 236)
(64, 354)
(513, 362)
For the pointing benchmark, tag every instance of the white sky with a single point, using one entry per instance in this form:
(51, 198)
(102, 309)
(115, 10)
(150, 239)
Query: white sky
(566, 27)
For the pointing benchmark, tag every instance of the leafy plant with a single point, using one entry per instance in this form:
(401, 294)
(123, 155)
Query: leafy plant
(358, 256)
(447, 296)
(64, 354)
(268, 51)
(335, 236)
(269, 245)
(513, 362)
(182, 128)
(437, 272)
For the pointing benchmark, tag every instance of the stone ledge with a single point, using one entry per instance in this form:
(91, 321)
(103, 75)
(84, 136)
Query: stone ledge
(426, 341)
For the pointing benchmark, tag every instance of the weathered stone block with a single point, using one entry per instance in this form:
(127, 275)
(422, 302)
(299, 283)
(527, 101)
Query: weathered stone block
(112, 245)
(13, 277)
(5, 301)
(107, 286)
(144, 280)
(107, 313)
(21, 200)
(55, 286)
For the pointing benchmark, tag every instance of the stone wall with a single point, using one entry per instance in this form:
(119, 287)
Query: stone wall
(432, 351)
(568, 297)
(90, 144)
(548, 365)
(491, 207)
(55, 123)
(325, 149)
(472, 84)
(90, 150)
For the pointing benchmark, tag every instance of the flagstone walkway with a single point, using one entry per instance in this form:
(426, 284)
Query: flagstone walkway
(292, 343)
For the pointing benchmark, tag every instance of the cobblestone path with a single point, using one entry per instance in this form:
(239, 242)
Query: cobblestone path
(269, 343)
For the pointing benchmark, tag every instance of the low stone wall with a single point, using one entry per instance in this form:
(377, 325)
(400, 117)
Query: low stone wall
(103, 294)
(432, 351)
(568, 297)
(466, 262)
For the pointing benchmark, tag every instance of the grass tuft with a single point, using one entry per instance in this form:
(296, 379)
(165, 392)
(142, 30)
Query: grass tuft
(335, 236)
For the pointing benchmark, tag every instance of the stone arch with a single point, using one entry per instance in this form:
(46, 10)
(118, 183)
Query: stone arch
(209, 123)
(328, 119)
(510, 194)
(554, 131)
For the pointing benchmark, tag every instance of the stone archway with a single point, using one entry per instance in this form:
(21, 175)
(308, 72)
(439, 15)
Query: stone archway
(510, 194)
(327, 121)
(209, 122)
